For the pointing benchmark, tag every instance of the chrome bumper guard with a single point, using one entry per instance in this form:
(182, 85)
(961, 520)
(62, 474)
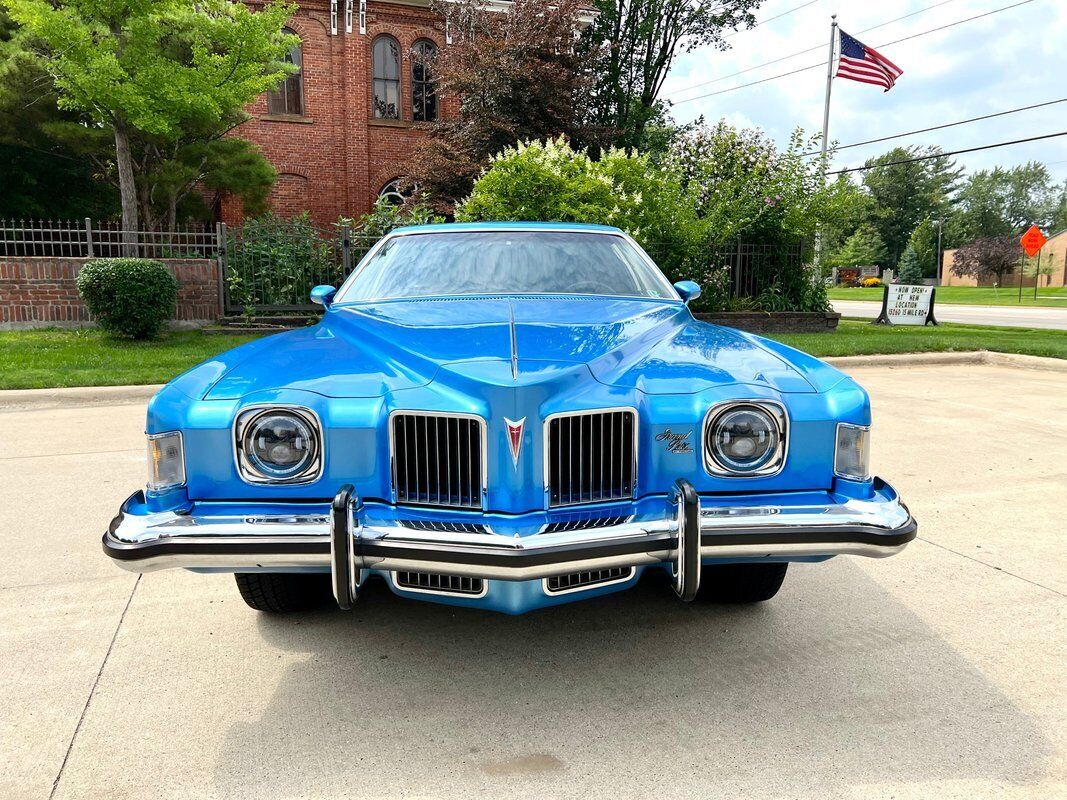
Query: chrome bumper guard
(345, 543)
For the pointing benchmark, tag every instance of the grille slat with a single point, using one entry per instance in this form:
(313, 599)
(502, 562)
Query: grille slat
(439, 583)
(437, 460)
(587, 579)
(591, 457)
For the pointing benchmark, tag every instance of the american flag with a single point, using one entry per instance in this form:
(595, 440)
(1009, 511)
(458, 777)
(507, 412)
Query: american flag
(865, 64)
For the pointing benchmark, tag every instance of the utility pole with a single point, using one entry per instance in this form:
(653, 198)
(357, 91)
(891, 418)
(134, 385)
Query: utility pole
(937, 276)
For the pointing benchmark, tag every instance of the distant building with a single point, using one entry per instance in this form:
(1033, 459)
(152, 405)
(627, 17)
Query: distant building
(1054, 252)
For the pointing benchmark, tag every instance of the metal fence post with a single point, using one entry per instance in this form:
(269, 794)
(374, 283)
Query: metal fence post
(89, 237)
(346, 249)
(220, 262)
(734, 288)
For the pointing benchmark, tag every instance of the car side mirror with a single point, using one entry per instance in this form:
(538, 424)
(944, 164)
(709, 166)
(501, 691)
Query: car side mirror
(323, 295)
(687, 290)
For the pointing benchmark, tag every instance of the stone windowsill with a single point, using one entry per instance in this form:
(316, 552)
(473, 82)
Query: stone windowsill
(298, 118)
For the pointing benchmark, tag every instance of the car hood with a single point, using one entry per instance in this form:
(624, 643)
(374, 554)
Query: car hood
(371, 350)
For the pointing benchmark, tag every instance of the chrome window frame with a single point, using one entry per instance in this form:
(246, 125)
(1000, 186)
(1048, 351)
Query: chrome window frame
(339, 298)
(246, 473)
(545, 427)
(778, 413)
(837, 429)
(452, 414)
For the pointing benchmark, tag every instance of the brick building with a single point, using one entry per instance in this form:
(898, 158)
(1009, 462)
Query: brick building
(337, 132)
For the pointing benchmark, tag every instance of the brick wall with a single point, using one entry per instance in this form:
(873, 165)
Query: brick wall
(41, 292)
(334, 158)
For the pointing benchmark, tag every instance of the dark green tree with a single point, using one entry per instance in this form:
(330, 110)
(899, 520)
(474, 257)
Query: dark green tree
(907, 193)
(908, 268)
(633, 45)
(1005, 201)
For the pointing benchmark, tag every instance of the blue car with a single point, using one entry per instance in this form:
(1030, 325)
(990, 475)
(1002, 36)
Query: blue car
(508, 417)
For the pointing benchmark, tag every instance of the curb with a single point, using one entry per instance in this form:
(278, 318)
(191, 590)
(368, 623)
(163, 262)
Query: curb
(984, 357)
(80, 396)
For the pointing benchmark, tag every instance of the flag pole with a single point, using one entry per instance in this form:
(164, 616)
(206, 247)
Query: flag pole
(826, 126)
(829, 85)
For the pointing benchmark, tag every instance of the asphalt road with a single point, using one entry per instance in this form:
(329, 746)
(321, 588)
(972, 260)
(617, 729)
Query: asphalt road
(941, 672)
(1010, 316)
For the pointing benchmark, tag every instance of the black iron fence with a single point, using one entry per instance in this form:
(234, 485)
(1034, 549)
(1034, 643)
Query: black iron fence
(271, 266)
(88, 239)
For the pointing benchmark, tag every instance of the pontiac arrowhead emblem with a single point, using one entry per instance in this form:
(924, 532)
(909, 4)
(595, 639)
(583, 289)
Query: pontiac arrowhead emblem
(515, 437)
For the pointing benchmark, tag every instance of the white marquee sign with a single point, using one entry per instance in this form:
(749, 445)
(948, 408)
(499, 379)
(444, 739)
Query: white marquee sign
(904, 304)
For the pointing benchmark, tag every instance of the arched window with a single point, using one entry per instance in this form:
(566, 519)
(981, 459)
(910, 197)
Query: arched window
(423, 88)
(386, 78)
(395, 192)
(288, 98)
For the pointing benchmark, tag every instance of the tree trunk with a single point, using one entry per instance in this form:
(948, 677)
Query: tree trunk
(127, 188)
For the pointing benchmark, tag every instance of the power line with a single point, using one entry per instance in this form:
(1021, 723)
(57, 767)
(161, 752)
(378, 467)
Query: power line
(772, 19)
(945, 125)
(946, 154)
(810, 49)
(886, 44)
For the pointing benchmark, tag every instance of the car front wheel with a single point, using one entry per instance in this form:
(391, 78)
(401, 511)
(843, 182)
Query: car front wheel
(277, 592)
(740, 583)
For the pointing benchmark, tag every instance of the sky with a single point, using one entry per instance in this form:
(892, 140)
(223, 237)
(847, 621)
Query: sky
(1013, 58)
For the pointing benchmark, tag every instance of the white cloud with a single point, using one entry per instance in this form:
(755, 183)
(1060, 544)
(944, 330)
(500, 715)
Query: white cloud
(1002, 61)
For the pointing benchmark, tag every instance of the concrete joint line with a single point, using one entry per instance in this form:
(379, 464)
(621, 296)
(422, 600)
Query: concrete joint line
(992, 567)
(92, 690)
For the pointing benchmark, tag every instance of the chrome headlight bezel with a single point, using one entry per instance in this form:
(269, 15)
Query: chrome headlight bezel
(246, 467)
(865, 432)
(714, 464)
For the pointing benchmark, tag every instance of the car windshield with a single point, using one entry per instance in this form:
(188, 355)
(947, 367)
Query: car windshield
(505, 262)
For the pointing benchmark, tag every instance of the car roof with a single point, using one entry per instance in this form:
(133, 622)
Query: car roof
(463, 227)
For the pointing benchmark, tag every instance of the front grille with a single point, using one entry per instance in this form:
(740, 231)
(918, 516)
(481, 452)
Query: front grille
(441, 526)
(558, 584)
(582, 524)
(590, 457)
(439, 584)
(437, 459)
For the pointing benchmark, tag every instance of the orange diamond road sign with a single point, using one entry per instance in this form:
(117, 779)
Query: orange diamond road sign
(1033, 240)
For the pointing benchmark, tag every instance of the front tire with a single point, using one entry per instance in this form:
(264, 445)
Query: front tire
(279, 592)
(740, 583)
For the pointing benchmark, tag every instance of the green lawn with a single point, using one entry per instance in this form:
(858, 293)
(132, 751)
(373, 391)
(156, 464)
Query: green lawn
(969, 295)
(49, 358)
(855, 338)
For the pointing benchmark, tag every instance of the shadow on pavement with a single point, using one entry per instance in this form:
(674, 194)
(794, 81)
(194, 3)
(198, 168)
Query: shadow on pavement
(833, 685)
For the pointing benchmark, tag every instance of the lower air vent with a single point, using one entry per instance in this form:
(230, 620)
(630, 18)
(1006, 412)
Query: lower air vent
(577, 581)
(435, 583)
(444, 527)
(582, 524)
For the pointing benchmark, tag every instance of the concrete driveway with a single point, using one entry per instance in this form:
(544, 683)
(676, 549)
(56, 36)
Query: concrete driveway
(1007, 316)
(937, 673)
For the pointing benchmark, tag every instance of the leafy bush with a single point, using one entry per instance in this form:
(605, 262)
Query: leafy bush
(130, 296)
(551, 182)
(871, 283)
(673, 215)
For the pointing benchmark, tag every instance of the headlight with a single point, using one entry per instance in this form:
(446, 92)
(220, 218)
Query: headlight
(745, 439)
(278, 445)
(166, 461)
(852, 456)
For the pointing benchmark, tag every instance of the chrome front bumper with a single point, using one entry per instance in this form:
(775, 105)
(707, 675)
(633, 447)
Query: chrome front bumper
(346, 539)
